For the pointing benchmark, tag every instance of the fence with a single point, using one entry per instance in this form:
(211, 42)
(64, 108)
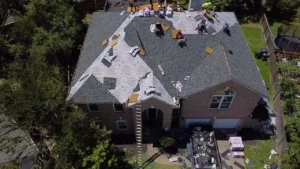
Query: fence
(280, 142)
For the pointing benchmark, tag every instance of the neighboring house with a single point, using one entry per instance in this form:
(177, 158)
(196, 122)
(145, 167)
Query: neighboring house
(9, 21)
(24, 150)
(221, 89)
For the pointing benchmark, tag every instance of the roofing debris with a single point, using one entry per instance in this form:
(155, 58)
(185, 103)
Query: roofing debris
(186, 78)
(161, 70)
(178, 85)
(142, 52)
(209, 50)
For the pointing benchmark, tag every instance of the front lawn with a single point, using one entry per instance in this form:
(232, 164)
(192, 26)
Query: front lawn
(255, 40)
(259, 154)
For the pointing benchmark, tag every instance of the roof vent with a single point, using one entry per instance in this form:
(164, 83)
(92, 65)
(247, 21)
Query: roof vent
(109, 82)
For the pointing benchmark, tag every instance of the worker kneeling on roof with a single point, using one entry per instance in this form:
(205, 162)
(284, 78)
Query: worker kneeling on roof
(181, 39)
(201, 27)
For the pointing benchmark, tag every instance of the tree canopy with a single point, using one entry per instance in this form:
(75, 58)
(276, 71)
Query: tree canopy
(42, 43)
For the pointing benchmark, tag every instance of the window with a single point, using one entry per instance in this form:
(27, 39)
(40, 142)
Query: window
(93, 107)
(118, 107)
(122, 124)
(221, 102)
(99, 122)
(175, 113)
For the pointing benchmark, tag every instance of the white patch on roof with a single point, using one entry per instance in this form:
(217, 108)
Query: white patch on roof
(128, 70)
(187, 25)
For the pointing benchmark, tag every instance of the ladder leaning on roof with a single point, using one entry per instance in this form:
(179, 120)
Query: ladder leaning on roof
(138, 134)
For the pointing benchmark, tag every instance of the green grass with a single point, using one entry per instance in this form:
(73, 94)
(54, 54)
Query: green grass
(255, 40)
(261, 152)
(154, 165)
(276, 25)
(274, 28)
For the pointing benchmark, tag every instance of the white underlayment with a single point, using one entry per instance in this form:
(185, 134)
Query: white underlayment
(126, 69)
(187, 25)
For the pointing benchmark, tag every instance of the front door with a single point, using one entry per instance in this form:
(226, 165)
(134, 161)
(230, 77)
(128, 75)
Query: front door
(152, 114)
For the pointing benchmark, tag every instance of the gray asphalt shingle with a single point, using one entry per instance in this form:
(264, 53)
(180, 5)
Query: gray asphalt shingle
(205, 70)
(93, 91)
(102, 26)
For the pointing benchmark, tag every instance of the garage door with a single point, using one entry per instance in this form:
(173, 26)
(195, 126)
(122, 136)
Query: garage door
(226, 123)
(196, 121)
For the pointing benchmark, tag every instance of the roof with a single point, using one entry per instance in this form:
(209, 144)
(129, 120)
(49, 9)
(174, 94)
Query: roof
(191, 66)
(196, 5)
(25, 148)
(10, 20)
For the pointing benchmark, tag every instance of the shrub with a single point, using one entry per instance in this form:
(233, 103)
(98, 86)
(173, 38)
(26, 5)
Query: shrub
(289, 88)
(290, 106)
(166, 141)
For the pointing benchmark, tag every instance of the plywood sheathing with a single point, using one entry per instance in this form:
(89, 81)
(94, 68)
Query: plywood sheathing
(117, 34)
(104, 42)
(174, 33)
(165, 27)
(209, 50)
(114, 42)
(133, 98)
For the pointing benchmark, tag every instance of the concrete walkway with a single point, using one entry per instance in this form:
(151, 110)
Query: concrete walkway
(224, 146)
(163, 158)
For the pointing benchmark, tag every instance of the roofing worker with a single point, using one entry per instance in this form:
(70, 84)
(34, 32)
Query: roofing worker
(207, 5)
(179, 35)
(132, 5)
(181, 39)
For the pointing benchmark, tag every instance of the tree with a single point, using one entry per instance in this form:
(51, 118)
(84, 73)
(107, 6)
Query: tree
(283, 10)
(53, 26)
(292, 159)
(291, 106)
(83, 144)
(34, 98)
(288, 88)
(11, 7)
(34, 95)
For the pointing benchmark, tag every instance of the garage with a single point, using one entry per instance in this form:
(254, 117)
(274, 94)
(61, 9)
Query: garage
(226, 123)
(189, 122)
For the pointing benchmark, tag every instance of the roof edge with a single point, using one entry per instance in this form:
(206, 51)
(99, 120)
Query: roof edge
(154, 97)
(80, 55)
(250, 88)
(206, 88)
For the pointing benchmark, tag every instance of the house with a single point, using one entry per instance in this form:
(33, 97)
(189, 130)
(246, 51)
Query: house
(126, 74)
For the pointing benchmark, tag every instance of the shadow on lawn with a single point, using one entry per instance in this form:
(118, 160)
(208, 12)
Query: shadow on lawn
(152, 158)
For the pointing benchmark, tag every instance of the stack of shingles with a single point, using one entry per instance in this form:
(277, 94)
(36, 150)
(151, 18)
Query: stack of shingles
(236, 147)
(108, 59)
